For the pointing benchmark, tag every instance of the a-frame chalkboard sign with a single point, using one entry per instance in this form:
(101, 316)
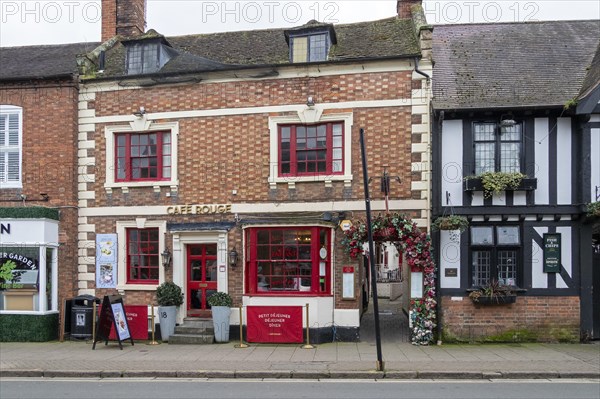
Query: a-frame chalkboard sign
(112, 314)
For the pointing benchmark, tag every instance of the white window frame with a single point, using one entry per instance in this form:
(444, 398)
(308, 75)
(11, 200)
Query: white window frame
(122, 227)
(275, 121)
(110, 133)
(8, 110)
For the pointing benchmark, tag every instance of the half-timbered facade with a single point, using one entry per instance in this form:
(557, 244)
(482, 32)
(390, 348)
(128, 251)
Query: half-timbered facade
(505, 100)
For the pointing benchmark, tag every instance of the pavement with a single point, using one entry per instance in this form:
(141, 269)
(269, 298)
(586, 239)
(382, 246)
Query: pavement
(356, 360)
(331, 360)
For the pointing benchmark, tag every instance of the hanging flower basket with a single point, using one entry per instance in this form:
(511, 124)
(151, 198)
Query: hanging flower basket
(452, 222)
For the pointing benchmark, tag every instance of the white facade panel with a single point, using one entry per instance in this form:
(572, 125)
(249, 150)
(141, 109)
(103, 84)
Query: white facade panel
(452, 162)
(499, 199)
(542, 193)
(563, 161)
(450, 257)
(477, 199)
(519, 198)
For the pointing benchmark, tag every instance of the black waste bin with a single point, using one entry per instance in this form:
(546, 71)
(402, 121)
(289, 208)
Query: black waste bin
(82, 313)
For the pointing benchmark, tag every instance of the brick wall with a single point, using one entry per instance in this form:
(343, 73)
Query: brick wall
(543, 318)
(123, 17)
(222, 153)
(49, 163)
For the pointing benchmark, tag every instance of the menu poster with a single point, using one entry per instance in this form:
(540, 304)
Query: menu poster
(112, 314)
(106, 260)
(120, 321)
(348, 282)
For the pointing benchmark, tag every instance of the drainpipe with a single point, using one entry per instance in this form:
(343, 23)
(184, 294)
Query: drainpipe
(438, 308)
(417, 70)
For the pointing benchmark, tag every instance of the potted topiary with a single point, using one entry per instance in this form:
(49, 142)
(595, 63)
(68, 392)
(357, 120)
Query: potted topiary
(220, 304)
(168, 297)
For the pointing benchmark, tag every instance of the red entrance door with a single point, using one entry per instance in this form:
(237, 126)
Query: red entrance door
(201, 277)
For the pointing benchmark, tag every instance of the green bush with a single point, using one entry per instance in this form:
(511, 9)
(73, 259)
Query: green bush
(220, 299)
(169, 294)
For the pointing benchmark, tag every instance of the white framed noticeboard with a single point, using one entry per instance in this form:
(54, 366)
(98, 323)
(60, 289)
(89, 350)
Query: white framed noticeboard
(348, 282)
(416, 284)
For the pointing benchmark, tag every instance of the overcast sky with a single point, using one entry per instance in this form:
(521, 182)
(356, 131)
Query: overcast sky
(27, 22)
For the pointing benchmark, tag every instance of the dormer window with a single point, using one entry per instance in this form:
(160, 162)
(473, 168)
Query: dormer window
(146, 56)
(310, 48)
(142, 58)
(310, 42)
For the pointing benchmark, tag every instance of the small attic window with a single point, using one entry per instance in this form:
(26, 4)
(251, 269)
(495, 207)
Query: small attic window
(310, 48)
(145, 57)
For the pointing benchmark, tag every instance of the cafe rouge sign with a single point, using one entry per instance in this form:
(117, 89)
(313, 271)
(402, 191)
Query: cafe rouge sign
(198, 209)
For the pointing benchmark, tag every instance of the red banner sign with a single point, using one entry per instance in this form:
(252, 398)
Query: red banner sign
(274, 324)
(137, 318)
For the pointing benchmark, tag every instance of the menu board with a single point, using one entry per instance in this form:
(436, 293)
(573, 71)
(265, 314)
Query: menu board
(112, 314)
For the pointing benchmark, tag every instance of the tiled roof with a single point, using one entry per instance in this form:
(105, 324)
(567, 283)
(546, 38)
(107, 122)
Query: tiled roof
(391, 37)
(38, 62)
(592, 78)
(512, 64)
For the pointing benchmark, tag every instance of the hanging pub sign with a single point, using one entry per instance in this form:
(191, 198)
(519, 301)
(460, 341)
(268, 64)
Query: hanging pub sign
(552, 252)
(112, 314)
(274, 324)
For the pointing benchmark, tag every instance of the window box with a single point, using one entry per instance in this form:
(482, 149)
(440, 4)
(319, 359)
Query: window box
(495, 300)
(475, 184)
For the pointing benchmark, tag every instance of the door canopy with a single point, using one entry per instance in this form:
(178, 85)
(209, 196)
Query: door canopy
(402, 232)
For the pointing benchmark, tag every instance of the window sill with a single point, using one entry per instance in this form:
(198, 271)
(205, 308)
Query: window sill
(307, 179)
(137, 287)
(475, 184)
(288, 294)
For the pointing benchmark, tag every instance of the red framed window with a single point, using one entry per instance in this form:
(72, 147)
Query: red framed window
(288, 261)
(143, 156)
(142, 256)
(308, 150)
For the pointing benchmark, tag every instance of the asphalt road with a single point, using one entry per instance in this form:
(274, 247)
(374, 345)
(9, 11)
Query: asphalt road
(12, 388)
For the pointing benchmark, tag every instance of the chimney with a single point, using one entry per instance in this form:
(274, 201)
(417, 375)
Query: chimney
(123, 17)
(403, 8)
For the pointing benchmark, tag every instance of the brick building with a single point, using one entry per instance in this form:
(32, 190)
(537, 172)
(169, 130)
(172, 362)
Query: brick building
(246, 143)
(38, 190)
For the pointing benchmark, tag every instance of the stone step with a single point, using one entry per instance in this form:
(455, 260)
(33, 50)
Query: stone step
(197, 322)
(193, 329)
(191, 339)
